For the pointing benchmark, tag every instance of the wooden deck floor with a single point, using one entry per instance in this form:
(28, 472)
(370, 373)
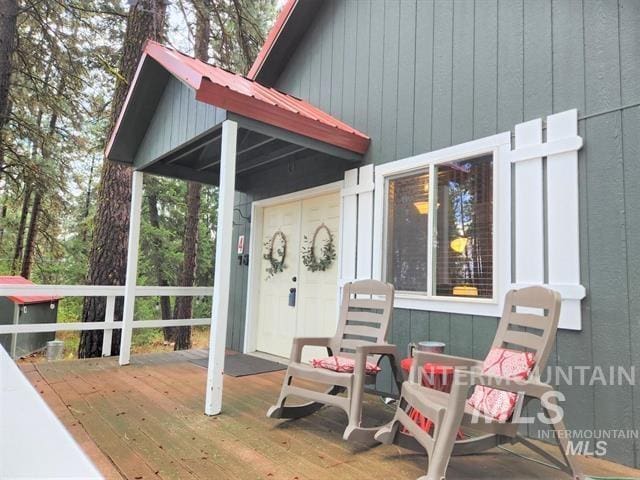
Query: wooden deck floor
(146, 421)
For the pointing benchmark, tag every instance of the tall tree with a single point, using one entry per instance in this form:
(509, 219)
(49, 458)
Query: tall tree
(183, 307)
(108, 255)
(8, 21)
(8, 33)
(30, 245)
(17, 252)
(41, 188)
(157, 249)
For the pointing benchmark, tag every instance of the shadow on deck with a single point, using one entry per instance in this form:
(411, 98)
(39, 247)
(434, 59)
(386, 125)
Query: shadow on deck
(146, 421)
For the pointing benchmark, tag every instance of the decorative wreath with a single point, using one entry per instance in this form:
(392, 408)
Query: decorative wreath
(327, 254)
(276, 259)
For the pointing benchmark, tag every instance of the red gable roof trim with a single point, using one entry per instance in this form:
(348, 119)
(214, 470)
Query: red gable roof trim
(303, 123)
(7, 281)
(272, 37)
(246, 97)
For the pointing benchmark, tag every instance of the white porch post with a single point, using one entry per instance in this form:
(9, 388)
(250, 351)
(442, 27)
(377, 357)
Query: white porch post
(132, 268)
(222, 274)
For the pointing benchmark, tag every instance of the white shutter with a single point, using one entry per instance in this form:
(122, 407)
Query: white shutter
(529, 208)
(561, 264)
(365, 223)
(356, 232)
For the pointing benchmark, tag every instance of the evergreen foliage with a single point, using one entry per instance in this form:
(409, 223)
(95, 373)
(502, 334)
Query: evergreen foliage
(63, 69)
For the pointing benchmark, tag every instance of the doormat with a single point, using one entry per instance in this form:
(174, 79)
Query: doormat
(241, 365)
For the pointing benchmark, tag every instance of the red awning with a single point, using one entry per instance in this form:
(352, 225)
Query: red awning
(7, 281)
(242, 96)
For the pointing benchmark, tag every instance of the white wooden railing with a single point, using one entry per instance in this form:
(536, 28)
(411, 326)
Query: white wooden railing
(108, 325)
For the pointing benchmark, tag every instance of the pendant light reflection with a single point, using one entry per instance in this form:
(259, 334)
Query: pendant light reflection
(422, 207)
(459, 244)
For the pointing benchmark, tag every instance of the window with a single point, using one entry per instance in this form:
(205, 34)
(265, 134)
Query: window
(408, 224)
(458, 237)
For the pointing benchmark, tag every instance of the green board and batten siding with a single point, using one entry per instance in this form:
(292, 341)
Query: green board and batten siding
(178, 118)
(422, 75)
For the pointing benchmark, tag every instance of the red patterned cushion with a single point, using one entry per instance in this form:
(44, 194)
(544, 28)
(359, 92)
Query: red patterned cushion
(505, 363)
(343, 365)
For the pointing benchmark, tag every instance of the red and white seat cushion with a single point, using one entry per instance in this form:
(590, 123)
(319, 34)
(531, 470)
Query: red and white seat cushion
(505, 363)
(343, 365)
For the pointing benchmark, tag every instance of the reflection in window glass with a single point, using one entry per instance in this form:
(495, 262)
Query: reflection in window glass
(407, 227)
(464, 240)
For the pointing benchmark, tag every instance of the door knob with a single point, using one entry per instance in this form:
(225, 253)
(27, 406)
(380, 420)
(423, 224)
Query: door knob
(294, 279)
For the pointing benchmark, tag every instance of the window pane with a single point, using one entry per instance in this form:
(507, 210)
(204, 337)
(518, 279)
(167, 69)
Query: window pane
(407, 225)
(464, 234)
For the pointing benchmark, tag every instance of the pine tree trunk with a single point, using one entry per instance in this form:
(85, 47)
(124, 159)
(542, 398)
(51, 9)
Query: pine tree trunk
(87, 203)
(183, 307)
(30, 247)
(8, 17)
(3, 209)
(156, 257)
(34, 225)
(108, 255)
(3, 217)
(17, 255)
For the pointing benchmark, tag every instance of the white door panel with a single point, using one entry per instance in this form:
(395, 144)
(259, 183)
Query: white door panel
(315, 313)
(277, 321)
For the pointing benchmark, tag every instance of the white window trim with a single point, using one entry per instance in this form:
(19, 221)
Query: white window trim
(499, 145)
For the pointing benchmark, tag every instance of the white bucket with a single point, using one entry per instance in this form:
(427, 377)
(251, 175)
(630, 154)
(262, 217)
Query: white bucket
(428, 346)
(55, 350)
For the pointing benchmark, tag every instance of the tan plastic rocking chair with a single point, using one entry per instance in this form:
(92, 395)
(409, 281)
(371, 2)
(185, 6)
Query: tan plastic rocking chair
(450, 411)
(361, 335)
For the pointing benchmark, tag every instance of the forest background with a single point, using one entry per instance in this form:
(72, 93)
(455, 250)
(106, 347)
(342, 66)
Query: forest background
(65, 67)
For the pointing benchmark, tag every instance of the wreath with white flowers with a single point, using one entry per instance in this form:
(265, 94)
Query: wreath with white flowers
(275, 254)
(327, 252)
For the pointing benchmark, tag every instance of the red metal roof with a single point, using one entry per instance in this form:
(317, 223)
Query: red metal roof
(274, 33)
(240, 95)
(24, 299)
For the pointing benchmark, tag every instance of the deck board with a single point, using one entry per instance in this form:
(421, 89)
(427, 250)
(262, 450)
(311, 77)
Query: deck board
(146, 421)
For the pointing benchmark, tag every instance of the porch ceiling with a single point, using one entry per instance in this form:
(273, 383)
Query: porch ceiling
(259, 147)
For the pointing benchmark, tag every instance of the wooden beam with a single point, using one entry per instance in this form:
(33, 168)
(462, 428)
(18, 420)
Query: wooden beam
(185, 173)
(207, 159)
(292, 137)
(272, 157)
(256, 145)
(222, 273)
(132, 267)
(212, 163)
(193, 149)
(195, 142)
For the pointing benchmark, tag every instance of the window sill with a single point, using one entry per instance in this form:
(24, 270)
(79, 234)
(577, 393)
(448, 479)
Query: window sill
(487, 307)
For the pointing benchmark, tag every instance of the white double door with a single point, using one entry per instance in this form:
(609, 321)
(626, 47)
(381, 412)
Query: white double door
(315, 311)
